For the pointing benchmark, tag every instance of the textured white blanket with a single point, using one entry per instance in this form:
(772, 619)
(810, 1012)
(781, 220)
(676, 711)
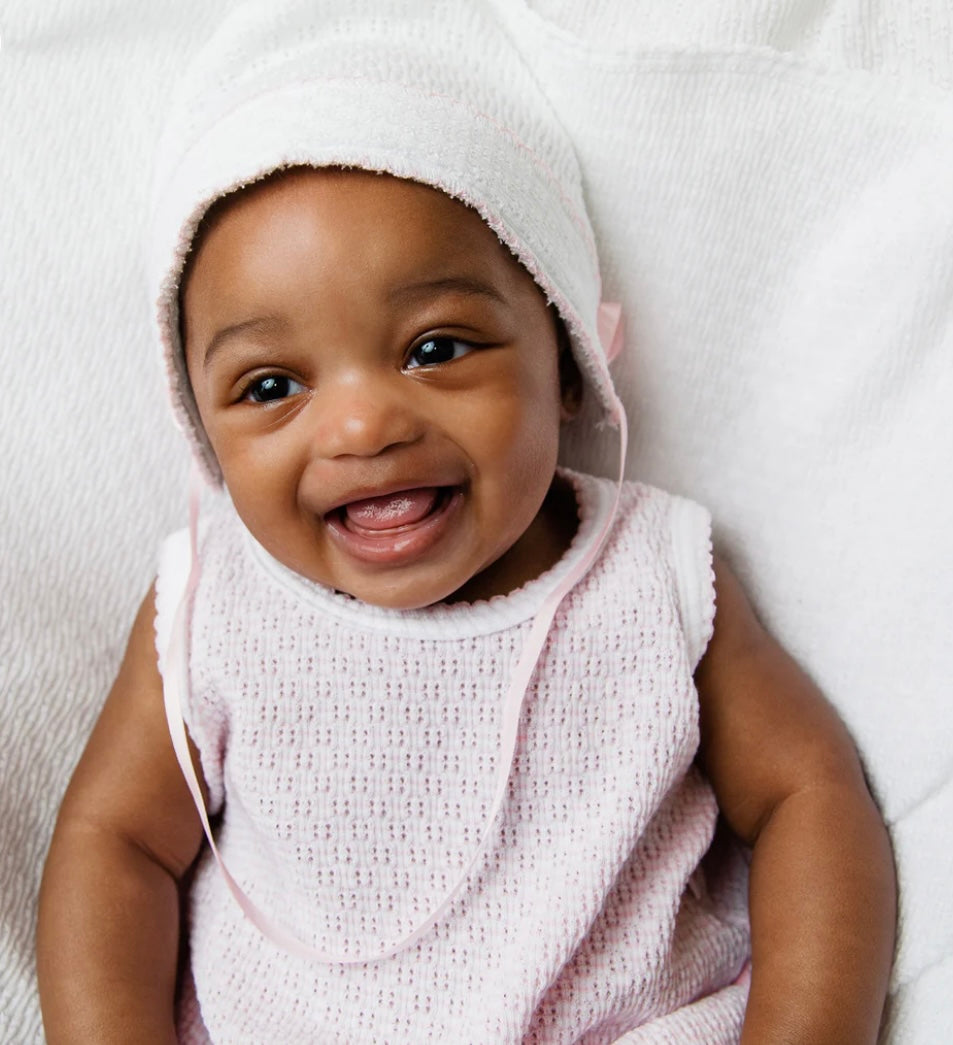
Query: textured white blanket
(772, 183)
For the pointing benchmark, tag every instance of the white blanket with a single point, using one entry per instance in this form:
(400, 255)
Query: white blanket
(772, 183)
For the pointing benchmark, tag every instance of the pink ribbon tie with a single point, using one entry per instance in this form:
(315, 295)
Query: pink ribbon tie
(609, 327)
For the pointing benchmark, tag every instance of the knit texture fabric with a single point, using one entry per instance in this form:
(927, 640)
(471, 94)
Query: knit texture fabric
(351, 751)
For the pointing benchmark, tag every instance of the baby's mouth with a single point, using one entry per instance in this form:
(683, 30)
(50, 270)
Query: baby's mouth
(395, 529)
(392, 511)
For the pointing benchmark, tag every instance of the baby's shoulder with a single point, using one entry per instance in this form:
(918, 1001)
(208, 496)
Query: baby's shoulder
(218, 538)
(656, 561)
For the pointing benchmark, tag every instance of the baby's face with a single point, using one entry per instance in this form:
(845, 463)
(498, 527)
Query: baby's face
(379, 381)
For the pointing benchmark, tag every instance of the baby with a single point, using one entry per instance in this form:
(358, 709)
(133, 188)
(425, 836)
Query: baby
(465, 717)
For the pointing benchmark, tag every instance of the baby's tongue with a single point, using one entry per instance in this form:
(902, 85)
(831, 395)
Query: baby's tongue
(393, 509)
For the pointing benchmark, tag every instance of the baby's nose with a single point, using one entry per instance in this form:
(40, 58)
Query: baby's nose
(362, 415)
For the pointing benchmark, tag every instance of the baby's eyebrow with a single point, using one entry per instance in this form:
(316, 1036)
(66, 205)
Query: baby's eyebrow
(446, 285)
(257, 325)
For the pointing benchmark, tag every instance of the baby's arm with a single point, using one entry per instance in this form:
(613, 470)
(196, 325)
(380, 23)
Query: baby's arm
(789, 782)
(108, 931)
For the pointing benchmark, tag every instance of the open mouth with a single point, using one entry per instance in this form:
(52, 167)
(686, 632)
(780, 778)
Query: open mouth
(393, 511)
(396, 527)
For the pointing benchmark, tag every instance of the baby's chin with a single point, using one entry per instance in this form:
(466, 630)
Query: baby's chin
(419, 593)
(411, 596)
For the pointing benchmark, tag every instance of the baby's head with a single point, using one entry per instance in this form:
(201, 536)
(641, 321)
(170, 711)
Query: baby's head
(377, 364)
(380, 383)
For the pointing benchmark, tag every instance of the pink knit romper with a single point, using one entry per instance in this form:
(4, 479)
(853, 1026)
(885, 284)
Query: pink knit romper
(351, 750)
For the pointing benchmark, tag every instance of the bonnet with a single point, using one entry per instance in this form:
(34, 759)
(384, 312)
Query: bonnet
(433, 92)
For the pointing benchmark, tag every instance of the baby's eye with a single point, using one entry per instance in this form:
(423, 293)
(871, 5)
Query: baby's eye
(270, 388)
(436, 350)
(274, 386)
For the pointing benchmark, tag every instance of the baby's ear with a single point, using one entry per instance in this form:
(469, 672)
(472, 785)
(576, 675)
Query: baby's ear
(570, 378)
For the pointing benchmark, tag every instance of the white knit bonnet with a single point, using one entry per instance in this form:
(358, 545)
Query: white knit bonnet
(431, 91)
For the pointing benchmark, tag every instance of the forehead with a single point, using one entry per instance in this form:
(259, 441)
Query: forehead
(352, 213)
